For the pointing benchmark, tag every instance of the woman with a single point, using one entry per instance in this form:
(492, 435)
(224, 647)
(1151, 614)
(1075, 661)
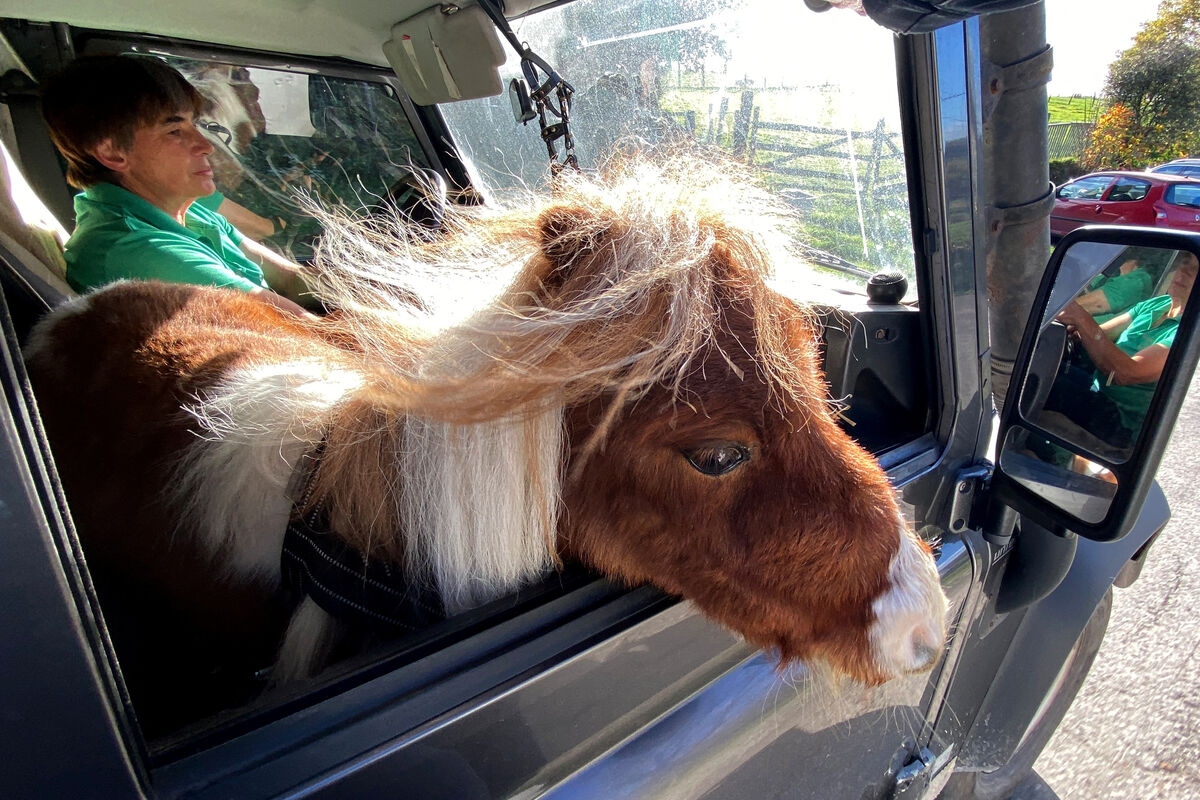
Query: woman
(1129, 352)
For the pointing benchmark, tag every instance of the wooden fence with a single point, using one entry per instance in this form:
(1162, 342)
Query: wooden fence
(1069, 139)
(848, 183)
(804, 151)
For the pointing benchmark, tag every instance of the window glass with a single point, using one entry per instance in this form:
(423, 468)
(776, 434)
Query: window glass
(822, 132)
(1178, 169)
(279, 135)
(1183, 195)
(1126, 189)
(1085, 188)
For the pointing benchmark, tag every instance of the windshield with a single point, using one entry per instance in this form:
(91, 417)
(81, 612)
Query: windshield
(809, 100)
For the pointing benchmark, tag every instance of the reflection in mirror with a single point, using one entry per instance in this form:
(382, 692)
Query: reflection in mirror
(1112, 318)
(1072, 482)
(1097, 360)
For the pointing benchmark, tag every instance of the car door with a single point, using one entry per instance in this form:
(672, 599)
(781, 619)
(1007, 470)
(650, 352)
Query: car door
(1127, 201)
(1079, 203)
(583, 686)
(1179, 207)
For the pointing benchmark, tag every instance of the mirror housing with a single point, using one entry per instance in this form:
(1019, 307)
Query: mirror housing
(1066, 499)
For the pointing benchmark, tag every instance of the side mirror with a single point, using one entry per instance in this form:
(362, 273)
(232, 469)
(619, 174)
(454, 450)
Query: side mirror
(1105, 362)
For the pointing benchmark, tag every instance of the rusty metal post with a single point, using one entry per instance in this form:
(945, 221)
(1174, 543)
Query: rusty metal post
(1016, 191)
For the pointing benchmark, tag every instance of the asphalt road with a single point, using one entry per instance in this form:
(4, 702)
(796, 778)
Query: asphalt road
(1133, 732)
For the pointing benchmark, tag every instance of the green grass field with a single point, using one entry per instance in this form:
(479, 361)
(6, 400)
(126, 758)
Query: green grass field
(1074, 109)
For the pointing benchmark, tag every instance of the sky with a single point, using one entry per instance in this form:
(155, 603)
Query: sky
(1087, 35)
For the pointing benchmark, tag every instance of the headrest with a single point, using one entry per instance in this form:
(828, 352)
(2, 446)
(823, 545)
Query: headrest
(26, 221)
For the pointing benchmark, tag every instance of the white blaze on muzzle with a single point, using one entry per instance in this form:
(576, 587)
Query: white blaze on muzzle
(909, 630)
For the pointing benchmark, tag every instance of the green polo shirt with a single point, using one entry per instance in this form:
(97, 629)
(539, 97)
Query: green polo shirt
(120, 235)
(1149, 326)
(1123, 291)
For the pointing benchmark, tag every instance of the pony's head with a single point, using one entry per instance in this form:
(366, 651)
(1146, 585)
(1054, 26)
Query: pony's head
(699, 449)
(233, 102)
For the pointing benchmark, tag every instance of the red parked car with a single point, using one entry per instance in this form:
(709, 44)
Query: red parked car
(1126, 198)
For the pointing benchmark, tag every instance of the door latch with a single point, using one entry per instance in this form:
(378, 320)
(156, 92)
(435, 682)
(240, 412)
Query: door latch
(924, 776)
(913, 778)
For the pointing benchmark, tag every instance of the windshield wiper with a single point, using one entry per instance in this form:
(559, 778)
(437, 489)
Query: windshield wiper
(828, 260)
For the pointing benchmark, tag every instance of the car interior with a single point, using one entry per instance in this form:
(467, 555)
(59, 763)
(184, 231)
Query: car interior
(338, 123)
(1128, 190)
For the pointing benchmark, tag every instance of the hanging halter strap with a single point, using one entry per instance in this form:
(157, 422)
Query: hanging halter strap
(552, 97)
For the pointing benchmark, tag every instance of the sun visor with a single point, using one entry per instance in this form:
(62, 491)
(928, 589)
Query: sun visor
(441, 57)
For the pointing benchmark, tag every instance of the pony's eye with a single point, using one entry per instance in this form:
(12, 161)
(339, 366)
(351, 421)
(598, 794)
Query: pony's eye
(717, 459)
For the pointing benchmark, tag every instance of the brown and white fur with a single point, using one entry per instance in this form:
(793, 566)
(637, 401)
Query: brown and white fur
(630, 334)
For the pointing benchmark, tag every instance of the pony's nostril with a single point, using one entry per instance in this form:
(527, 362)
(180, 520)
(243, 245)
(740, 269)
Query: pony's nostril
(924, 648)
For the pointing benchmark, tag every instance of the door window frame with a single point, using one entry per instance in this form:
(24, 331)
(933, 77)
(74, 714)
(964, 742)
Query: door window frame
(1122, 183)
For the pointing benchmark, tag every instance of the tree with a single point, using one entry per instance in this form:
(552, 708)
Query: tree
(1154, 91)
(1114, 144)
(639, 40)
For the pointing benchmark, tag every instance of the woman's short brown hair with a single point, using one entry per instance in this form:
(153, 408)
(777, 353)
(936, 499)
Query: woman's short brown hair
(109, 97)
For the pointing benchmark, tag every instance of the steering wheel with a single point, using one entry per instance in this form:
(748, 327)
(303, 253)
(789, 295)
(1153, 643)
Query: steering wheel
(1070, 354)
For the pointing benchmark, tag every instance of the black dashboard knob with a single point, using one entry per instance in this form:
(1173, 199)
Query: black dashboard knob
(886, 288)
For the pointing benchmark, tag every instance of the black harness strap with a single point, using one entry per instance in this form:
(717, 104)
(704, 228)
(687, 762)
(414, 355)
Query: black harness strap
(370, 594)
(554, 84)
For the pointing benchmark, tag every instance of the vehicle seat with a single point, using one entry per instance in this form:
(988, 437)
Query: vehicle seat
(33, 271)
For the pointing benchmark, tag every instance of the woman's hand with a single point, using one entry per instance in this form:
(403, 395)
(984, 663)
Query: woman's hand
(1077, 319)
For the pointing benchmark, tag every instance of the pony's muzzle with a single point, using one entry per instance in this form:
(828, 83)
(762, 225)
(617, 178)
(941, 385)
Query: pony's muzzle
(909, 630)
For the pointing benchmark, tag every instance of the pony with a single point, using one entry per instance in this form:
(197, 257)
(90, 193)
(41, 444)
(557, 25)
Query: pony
(601, 375)
(232, 100)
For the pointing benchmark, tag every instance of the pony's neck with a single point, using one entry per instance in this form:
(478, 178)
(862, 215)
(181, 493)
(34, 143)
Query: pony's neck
(471, 509)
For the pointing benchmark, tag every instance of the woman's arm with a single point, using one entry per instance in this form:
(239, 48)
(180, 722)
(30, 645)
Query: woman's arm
(283, 275)
(1083, 325)
(281, 302)
(1098, 340)
(1094, 302)
(245, 220)
(1144, 366)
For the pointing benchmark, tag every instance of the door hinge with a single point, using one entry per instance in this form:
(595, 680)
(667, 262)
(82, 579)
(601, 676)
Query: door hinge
(967, 486)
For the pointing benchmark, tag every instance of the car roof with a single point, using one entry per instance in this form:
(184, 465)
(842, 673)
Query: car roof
(1189, 166)
(1152, 177)
(350, 29)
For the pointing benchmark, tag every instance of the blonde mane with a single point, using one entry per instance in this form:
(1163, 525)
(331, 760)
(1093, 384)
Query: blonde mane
(612, 285)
